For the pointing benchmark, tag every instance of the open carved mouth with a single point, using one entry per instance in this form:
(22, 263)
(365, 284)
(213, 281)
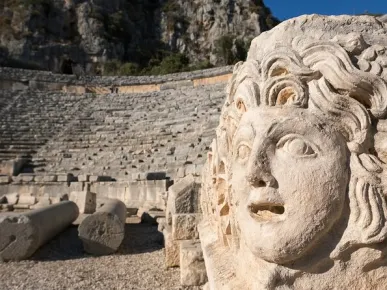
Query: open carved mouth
(264, 212)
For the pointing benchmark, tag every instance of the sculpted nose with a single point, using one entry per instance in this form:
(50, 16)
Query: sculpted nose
(259, 173)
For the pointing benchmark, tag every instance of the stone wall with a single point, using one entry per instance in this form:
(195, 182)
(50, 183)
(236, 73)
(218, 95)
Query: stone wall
(19, 79)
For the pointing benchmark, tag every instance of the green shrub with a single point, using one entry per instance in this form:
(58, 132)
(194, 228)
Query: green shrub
(128, 69)
(223, 49)
(201, 65)
(111, 67)
(173, 63)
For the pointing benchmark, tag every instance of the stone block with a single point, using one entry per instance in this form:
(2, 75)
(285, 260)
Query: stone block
(83, 178)
(192, 267)
(39, 178)
(21, 206)
(5, 179)
(65, 177)
(183, 197)
(172, 249)
(50, 178)
(184, 226)
(12, 198)
(85, 200)
(25, 177)
(27, 199)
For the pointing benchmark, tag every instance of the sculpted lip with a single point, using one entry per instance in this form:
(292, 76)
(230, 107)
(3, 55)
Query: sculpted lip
(265, 211)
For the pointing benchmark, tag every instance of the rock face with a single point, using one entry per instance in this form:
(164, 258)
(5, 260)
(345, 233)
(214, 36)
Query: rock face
(57, 34)
(293, 192)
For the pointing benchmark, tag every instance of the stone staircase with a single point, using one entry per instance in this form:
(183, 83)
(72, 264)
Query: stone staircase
(29, 120)
(124, 135)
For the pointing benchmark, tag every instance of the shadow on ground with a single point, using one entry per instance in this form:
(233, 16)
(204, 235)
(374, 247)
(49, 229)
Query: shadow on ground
(139, 238)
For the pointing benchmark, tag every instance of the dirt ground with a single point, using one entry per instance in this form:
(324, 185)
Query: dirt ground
(62, 264)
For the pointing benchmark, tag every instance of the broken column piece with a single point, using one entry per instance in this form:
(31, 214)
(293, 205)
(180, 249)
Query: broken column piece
(103, 232)
(22, 234)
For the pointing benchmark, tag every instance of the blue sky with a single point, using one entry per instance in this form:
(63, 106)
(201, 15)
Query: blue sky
(285, 9)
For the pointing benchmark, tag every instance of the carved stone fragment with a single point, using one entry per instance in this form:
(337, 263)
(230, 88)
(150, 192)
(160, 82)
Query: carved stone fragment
(294, 188)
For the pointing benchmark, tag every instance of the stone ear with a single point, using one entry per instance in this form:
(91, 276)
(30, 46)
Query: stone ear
(367, 222)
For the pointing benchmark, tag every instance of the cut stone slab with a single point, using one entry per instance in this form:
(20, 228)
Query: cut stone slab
(4, 179)
(184, 226)
(85, 200)
(83, 178)
(46, 178)
(172, 249)
(12, 198)
(26, 177)
(21, 206)
(192, 267)
(65, 177)
(183, 197)
(27, 199)
(22, 234)
(103, 232)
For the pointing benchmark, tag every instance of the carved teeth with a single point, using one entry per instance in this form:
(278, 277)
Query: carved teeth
(265, 211)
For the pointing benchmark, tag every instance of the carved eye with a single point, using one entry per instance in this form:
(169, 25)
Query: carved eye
(297, 146)
(243, 152)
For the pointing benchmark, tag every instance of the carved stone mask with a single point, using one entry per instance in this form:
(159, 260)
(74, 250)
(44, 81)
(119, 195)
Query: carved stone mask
(289, 181)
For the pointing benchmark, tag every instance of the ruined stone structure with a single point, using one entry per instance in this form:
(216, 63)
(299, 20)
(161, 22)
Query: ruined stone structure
(118, 137)
(293, 192)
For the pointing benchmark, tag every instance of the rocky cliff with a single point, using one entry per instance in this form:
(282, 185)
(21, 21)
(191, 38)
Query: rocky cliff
(56, 34)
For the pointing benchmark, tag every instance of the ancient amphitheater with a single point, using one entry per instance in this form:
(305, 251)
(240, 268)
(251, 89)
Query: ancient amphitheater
(172, 183)
(126, 138)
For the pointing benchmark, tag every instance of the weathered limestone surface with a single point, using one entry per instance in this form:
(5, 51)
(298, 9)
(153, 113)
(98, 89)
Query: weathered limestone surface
(183, 197)
(85, 200)
(103, 232)
(184, 226)
(172, 248)
(22, 234)
(294, 190)
(180, 225)
(192, 268)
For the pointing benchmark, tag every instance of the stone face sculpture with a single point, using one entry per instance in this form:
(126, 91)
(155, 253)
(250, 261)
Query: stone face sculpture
(294, 188)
